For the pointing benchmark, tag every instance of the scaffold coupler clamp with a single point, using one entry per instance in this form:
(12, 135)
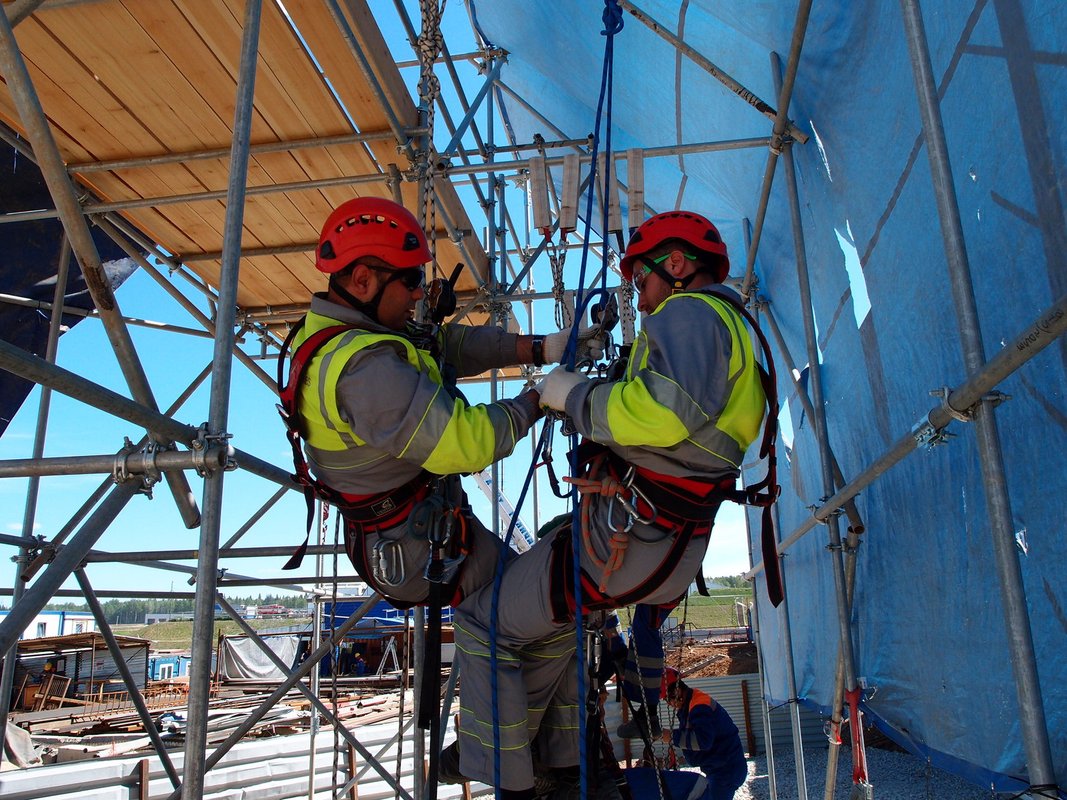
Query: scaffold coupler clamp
(928, 436)
(123, 469)
(204, 441)
(824, 520)
(832, 731)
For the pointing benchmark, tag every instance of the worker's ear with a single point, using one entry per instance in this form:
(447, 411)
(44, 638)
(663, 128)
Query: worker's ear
(677, 264)
(362, 282)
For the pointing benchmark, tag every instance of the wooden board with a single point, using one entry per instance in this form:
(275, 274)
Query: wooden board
(160, 78)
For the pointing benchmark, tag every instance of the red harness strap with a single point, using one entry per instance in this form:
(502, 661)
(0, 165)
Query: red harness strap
(371, 511)
(685, 509)
(764, 493)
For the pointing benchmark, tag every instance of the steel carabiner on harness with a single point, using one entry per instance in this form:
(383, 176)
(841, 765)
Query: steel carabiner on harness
(553, 481)
(387, 563)
(629, 504)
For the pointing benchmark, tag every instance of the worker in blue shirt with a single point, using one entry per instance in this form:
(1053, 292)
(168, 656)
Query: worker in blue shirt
(706, 736)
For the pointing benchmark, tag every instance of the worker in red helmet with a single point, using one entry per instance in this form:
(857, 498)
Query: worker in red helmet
(663, 446)
(706, 735)
(371, 396)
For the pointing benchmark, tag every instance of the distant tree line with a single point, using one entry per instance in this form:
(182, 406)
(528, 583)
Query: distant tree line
(133, 611)
(731, 582)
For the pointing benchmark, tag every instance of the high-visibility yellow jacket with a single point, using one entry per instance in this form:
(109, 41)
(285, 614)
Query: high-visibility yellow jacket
(375, 410)
(690, 402)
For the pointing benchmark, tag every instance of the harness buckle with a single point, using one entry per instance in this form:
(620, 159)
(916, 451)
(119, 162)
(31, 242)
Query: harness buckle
(443, 570)
(387, 562)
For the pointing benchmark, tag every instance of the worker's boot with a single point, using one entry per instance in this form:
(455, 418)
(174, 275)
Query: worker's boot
(638, 727)
(448, 765)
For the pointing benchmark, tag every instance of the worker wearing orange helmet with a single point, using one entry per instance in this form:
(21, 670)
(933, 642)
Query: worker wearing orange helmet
(371, 395)
(706, 735)
(663, 446)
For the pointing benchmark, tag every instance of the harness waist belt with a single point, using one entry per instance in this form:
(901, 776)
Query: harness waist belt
(382, 510)
(678, 501)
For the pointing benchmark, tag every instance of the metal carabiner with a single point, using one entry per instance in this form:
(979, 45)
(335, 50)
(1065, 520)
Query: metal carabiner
(629, 515)
(631, 504)
(387, 563)
(546, 453)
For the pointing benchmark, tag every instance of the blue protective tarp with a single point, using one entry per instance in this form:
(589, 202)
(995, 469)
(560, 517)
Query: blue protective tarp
(29, 264)
(928, 623)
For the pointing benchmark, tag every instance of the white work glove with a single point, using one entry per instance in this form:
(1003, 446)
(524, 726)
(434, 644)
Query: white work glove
(591, 343)
(556, 386)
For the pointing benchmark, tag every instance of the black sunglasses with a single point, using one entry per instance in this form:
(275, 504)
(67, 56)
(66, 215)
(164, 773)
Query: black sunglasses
(413, 278)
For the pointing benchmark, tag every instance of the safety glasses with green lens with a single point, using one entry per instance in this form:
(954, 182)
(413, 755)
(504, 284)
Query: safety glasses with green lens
(649, 265)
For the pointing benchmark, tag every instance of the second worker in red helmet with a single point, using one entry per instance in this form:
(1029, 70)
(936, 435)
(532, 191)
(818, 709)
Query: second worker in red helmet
(662, 448)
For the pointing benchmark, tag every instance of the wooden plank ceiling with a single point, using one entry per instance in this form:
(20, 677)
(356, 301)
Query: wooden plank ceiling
(121, 79)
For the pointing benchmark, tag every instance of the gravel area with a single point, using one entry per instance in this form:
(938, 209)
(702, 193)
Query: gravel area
(894, 776)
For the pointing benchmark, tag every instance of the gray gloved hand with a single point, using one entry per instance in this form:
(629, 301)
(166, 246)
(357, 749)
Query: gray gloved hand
(557, 385)
(591, 344)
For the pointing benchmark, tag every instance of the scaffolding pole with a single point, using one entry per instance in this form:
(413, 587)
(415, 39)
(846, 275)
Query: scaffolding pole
(1043, 331)
(143, 713)
(1042, 774)
(706, 64)
(296, 681)
(852, 543)
(67, 560)
(127, 461)
(7, 677)
(218, 413)
(778, 136)
(19, 362)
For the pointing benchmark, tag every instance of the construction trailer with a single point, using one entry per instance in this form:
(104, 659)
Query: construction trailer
(75, 669)
(56, 623)
(889, 178)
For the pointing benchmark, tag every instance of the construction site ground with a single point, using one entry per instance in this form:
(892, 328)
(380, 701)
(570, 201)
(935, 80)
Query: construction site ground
(699, 658)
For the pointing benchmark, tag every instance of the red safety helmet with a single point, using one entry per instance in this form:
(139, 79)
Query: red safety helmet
(671, 676)
(692, 228)
(371, 226)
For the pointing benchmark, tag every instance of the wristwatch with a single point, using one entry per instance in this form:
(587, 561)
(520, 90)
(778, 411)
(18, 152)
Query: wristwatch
(537, 347)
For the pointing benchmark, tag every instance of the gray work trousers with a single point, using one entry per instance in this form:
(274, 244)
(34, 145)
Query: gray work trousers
(536, 670)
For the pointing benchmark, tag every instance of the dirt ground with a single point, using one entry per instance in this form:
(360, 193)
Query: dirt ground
(699, 659)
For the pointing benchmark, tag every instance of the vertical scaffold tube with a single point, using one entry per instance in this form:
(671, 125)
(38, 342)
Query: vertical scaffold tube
(1013, 597)
(218, 414)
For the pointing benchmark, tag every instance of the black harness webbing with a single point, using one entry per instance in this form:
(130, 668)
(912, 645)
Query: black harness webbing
(369, 512)
(764, 493)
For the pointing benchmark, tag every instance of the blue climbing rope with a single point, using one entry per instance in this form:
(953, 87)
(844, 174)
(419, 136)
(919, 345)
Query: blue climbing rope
(613, 23)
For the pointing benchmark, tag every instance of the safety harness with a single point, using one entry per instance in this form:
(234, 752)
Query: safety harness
(681, 508)
(418, 501)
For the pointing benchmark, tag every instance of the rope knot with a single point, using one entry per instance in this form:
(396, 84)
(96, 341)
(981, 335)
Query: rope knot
(612, 17)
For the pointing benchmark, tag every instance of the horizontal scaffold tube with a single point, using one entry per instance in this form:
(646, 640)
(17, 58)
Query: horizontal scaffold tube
(26, 365)
(1036, 337)
(139, 462)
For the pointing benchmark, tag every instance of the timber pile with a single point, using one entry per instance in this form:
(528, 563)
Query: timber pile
(62, 728)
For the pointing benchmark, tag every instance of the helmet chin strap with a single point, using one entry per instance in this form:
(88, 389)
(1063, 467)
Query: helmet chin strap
(676, 284)
(369, 308)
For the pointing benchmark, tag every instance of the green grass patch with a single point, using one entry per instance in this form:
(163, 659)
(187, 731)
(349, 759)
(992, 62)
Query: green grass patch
(716, 611)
